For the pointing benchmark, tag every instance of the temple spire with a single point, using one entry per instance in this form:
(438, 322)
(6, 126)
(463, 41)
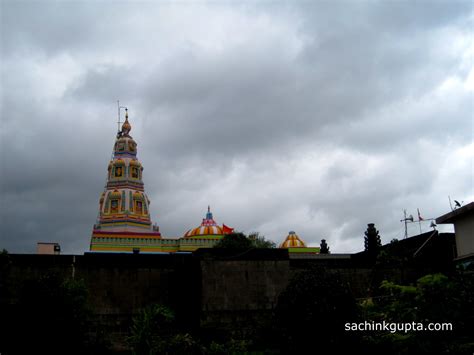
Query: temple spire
(124, 206)
(208, 214)
(126, 127)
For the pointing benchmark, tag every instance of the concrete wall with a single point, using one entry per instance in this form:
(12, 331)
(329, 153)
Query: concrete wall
(119, 285)
(210, 290)
(239, 294)
(464, 228)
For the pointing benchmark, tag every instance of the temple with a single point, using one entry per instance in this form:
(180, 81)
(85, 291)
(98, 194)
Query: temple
(123, 223)
(296, 245)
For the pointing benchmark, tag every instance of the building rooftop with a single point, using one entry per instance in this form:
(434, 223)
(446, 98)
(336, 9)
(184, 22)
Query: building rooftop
(452, 216)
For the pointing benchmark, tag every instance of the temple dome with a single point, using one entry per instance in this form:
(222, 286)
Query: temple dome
(292, 241)
(125, 146)
(208, 227)
(126, 127)
(204, 230)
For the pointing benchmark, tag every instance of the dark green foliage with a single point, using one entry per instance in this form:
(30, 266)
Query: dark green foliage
(181, 344)
(435, 298)
(391, 255)
(312, 311)
(149, 327)
(231, 347)
(259, 241)
(234, 241)
(154, 332)
(372, 241)
(239, 240)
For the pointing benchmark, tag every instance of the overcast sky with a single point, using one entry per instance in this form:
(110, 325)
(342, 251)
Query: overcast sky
(317, 117)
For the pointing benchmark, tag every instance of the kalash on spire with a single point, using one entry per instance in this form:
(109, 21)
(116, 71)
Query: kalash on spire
(123, 223)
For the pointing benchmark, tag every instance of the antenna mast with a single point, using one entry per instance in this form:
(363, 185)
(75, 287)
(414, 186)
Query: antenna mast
(405, 220)
(113, 149)
(118, 112)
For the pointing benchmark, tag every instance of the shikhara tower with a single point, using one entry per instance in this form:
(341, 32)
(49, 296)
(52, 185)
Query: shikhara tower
(124, 214)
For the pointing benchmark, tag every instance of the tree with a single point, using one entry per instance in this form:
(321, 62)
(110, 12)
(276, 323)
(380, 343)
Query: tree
(435, 298)
(235, 241)
(372, 241)
(238, 240)
(154, 331)
(324, 249)
(259, 241)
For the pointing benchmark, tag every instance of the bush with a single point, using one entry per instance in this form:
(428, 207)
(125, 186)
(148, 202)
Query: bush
(234, 241)
(435, 298)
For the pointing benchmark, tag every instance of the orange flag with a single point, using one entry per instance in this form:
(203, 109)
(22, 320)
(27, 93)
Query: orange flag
(227, 230)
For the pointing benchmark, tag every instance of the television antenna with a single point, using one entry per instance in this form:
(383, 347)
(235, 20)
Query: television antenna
(119, 133)
(118, 111)
(406, 220)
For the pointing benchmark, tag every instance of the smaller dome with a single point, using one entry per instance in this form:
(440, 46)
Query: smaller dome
(292, 241)
(135, 162)
(208, 227)
(119, 162)
(204, 230)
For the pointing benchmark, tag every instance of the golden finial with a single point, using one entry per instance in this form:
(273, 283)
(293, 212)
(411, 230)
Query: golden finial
(126, 127)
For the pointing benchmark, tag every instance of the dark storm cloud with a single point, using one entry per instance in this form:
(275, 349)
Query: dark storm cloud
(55, 26)
(319, 117)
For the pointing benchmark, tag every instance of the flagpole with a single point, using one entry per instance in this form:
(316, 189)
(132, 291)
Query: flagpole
(419, 219)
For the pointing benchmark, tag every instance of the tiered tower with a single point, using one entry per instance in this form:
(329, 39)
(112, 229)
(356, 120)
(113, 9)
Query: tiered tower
(123, 223)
